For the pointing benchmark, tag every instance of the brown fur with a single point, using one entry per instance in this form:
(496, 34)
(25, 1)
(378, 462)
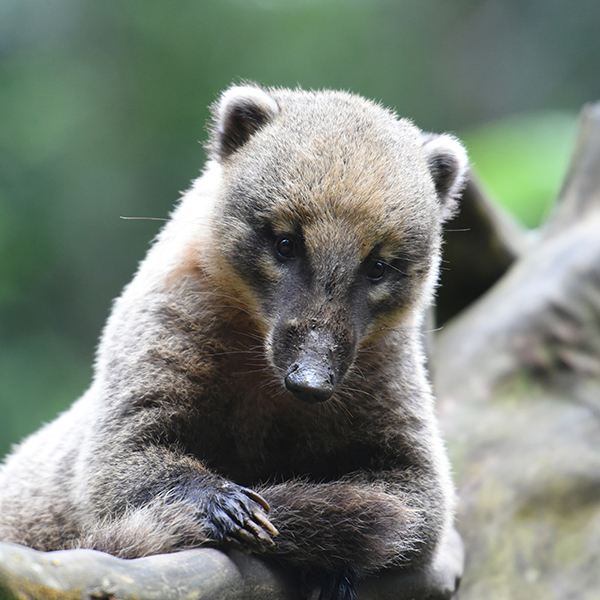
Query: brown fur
(189, 405)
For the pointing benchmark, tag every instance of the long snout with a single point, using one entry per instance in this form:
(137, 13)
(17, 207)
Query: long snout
(313, 358)
(310, 378)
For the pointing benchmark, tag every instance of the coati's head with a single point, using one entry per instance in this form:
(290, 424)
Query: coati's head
(329, 220)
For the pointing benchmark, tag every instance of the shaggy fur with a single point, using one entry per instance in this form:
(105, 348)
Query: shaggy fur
(267, 356)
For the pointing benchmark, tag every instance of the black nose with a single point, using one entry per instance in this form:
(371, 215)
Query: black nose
(310, 384)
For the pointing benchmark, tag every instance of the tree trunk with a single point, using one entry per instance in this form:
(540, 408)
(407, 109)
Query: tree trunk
(518, 385)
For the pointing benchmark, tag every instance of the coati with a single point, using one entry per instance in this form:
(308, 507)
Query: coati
(260, 383)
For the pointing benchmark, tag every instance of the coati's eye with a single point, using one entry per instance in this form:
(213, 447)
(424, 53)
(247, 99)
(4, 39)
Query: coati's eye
(376, 271)
(284, 246)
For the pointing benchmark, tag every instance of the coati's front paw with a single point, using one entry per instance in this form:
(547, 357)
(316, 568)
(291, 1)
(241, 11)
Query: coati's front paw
(238, 517)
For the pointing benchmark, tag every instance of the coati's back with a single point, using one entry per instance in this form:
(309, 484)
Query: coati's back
(267, 355)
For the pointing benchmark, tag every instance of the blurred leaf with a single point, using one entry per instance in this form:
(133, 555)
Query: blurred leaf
(522, 160)
(41, 375)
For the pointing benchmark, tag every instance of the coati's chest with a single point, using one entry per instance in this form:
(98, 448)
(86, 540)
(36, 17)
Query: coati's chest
(251, 444)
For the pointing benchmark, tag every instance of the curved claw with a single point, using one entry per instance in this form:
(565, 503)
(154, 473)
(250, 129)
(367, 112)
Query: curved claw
(238, 516)
(264, 522)
(257, 515)
(257, 498)
(247, 529)
(259, 532)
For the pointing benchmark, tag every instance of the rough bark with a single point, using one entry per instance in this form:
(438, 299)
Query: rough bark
(199, 574)
(480, 245)
(518, 384)
(580, 194)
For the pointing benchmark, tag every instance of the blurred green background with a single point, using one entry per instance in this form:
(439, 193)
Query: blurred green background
(103, 105)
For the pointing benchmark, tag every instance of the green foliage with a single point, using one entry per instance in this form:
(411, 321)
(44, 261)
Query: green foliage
(43, 365)
(522, 160)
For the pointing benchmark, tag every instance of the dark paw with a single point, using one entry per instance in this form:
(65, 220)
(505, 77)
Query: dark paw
(340, 586)
(238, 517)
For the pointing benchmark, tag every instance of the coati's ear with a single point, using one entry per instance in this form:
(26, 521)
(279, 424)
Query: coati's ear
(448, 163)
(240, 112)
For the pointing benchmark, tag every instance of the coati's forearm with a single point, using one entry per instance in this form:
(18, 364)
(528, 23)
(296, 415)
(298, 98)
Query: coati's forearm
(344, 524)
(177, 504)
(180, 504)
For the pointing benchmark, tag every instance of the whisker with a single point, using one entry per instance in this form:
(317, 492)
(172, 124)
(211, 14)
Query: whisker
(434, 330)
(273, 386)
(143, 218)
(220, 293)
(250, 371)
(228, 352)
(247, 334)
(357, 368)
(393, 267)
(238, 308)
(360, 391)
(337, 404)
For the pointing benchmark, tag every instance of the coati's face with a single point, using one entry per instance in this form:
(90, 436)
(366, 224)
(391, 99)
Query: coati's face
(329, 218)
